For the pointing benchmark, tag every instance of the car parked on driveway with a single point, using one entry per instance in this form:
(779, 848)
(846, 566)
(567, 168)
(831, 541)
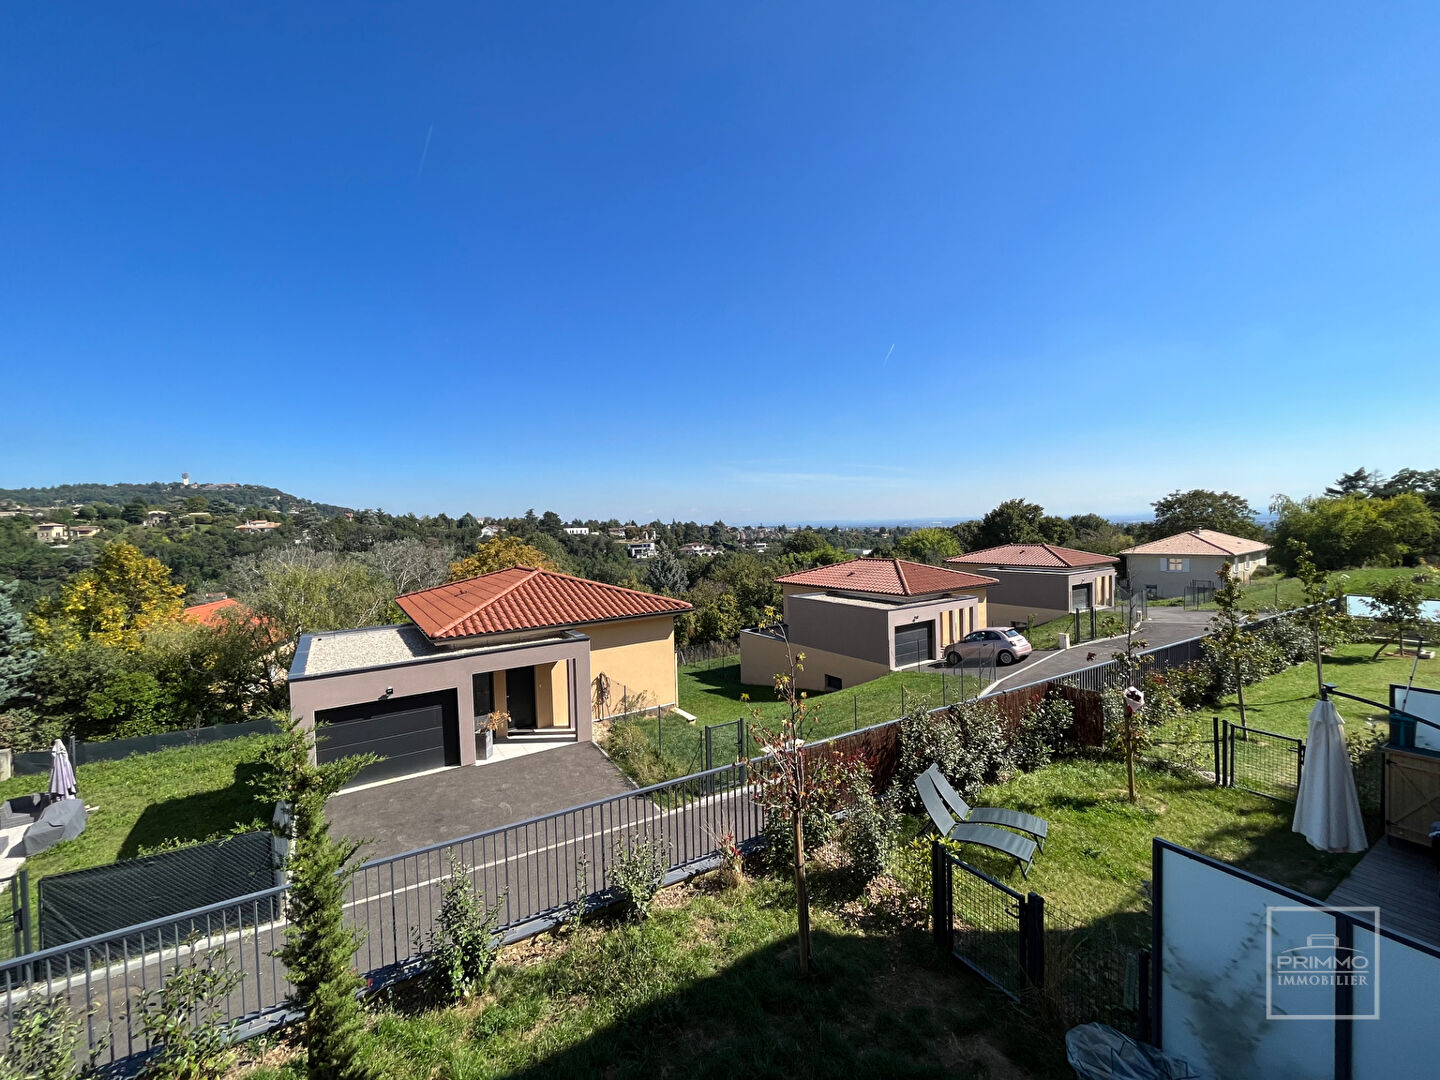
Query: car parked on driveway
(1004, 644)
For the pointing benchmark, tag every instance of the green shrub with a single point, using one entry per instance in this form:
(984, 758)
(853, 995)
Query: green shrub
(869, 833)
(43, 1042)
(969, 742)
(186, 1019)
(632, 749)
(779, 833)
(638, 872)
(463, 945)
(1046, 731)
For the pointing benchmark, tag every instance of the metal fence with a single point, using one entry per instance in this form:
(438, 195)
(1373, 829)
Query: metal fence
(1258, 761)
(532, 865)
(1074, 971)
(82, 752)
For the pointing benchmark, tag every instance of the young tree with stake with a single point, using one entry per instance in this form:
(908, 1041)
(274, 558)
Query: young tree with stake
(1230, 643)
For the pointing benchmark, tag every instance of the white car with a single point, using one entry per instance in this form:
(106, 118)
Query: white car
(1004, 644)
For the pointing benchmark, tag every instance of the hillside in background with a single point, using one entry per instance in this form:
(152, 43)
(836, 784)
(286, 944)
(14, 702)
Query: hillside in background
(159, 492)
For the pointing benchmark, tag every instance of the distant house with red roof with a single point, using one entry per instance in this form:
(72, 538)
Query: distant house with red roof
(1166, 567)
(209, 613)
(1042, 581)
(551, 651)
(858, 620)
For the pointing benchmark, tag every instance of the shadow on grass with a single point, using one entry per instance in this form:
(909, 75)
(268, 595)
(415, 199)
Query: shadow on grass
(875, 1006)
(200, 816)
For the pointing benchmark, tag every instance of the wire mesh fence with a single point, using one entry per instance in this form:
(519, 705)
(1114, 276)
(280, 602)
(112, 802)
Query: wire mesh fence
(1261, 762)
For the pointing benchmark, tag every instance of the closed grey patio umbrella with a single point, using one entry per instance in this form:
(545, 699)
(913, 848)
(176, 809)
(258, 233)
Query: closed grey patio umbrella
(62, 773)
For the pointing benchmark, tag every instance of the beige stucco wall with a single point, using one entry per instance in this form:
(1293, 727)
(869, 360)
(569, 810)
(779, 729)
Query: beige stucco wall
(1145, 570)
(638, 656)
(763, 657)
(552, 707)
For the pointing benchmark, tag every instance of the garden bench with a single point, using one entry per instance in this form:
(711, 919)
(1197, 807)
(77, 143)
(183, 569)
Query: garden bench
(1037, 827)
(1020, 848)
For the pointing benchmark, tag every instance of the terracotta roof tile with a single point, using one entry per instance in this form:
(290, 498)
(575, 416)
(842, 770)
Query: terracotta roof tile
(523, 598)
(1199, 542)
(1048, 556)
(208, 614)
(886, 577)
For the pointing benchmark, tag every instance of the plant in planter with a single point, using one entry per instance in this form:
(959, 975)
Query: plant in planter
(495, 728)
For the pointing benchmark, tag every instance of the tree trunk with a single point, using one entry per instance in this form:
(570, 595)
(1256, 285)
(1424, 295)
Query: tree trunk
(1319, 666)
(1130, 770)
(802, 895)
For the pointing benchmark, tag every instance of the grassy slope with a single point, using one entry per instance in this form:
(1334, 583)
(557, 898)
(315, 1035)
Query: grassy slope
(1286, 592)
(707, 988)
(1096, 861)
(147, 800)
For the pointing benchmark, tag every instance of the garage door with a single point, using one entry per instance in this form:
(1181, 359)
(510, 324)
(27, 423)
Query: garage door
(914, 643)
(411, 734)
(1080, 598)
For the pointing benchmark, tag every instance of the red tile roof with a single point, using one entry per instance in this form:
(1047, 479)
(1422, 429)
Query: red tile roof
(208, 614)
(1048, 556)
(523, 598)
(1199, 542)
(886, 577)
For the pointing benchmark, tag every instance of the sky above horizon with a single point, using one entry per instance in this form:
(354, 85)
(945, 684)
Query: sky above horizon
(749, 261)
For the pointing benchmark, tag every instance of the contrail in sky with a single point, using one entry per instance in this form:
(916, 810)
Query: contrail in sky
(421, 171)
(887, 356)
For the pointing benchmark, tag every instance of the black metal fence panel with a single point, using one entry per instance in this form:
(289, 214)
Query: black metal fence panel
(103, 899)
(1262, 762)
(37, 762)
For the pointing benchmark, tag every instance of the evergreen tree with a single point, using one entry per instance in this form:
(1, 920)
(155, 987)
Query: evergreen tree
(17, 659)
(319, 949)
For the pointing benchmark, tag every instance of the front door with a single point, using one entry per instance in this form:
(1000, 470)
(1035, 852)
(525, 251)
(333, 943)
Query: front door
(520, 696)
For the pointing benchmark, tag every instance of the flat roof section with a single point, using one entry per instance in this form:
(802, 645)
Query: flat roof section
(333, 651)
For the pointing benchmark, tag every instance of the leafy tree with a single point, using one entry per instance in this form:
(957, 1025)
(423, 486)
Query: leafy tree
(1359, 482)
(1354, 530)
(1397, 606)
(135, 511)
(17, 658)
(319, 948)
(1056, 530)
(786, 783)
(1230, 643)
(1422, 482)
(113, 603)
(665, 574)
(500, 553)
(928, 545)
(1129, 730)
(1014, 521)
(1320, 615)
(806, 542)
(1182, 511)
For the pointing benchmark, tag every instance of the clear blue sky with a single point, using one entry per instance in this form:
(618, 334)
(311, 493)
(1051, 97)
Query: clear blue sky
(651, 260)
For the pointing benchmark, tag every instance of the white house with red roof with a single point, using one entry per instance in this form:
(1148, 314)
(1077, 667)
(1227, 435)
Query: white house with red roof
(1165, 568)
(858, 620)
(550, 651)
(1041, 581)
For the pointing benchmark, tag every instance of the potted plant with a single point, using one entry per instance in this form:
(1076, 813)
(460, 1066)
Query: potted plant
(496, 725)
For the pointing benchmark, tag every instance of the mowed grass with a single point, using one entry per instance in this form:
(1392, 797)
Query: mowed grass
(1282, 702)
(708, 988)
(1287, 592)
(1096, 865)
(148, 801)
(712, 695)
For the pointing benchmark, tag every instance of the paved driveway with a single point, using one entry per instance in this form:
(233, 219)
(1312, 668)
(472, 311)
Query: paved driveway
(409, 814)
(1165, 626)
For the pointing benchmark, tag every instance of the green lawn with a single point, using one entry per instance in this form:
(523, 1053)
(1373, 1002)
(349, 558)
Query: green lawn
(148, 801)
(710, 693)
(1287, 592)
(1096, 862)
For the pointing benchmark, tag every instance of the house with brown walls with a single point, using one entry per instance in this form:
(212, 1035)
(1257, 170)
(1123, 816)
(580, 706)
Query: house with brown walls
(858, 620)
(552, 651)
(1041, 581)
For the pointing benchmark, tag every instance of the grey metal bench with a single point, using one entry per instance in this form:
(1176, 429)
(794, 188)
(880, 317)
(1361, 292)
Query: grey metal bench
(1020, 848)
(1037, 827)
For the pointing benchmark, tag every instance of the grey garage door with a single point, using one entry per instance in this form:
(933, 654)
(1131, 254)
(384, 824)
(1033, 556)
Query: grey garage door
(411, 734)
(914, 643)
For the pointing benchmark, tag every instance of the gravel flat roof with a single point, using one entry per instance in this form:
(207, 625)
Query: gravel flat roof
(329, 652)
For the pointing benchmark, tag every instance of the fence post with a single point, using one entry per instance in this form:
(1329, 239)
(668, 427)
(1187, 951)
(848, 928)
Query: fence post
(709, 751)
(902, 699)
(16, 917)
(940, 921)
(1032, 939)
(1300, 765)
(855, 711)
(27, 938)
(659, 734)
(1215, 741)
(943, 701)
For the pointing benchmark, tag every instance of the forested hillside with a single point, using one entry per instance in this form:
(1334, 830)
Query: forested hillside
(158, 493)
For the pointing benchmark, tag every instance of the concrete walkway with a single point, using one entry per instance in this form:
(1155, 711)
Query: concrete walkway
(1165, 626)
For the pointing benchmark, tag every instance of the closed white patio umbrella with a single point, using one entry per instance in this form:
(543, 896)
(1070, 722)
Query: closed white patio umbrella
(62, 773)
(1327, 808)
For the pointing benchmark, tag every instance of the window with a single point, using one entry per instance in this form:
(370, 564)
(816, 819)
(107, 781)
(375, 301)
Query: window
(484, 691)
(1177, 566)
(832, 682)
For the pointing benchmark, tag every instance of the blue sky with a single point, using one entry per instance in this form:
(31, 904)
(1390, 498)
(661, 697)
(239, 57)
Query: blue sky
(762, 262)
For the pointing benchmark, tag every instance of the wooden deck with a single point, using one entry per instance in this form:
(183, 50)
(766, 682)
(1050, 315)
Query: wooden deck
(1401, 880)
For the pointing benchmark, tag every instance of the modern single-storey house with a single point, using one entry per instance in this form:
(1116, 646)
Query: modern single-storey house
(858, 620)
(1164, 568)
(1041, 581)
(553, 651)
